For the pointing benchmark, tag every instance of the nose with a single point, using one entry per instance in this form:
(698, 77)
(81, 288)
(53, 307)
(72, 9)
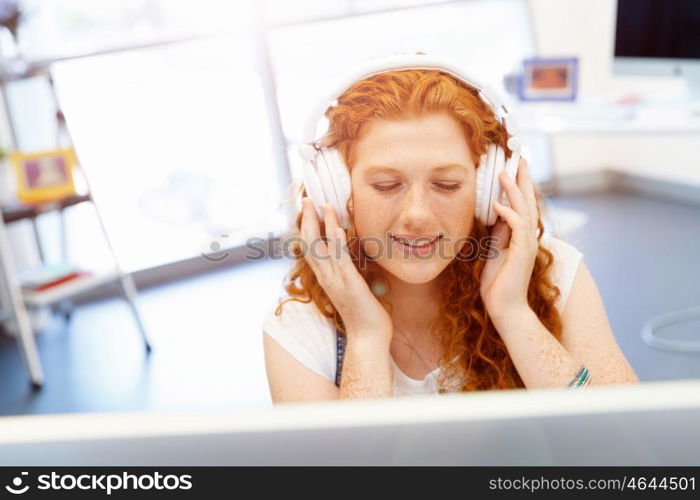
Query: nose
(416, 211)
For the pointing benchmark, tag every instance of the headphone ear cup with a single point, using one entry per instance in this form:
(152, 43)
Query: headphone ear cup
(499, 163)
(322, 170)
(327, 168)
(485, 185)
(480, 184)
(511, 168)
(313, 186)
(340, 177)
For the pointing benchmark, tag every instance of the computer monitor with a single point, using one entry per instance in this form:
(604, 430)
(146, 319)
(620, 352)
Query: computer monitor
(659, 37)
(647, 424)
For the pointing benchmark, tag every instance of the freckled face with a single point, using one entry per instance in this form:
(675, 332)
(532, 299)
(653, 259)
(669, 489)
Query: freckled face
(413, 177)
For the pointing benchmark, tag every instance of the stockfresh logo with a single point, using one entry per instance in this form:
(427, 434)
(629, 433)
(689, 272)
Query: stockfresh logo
(17, 486)
(105, 483)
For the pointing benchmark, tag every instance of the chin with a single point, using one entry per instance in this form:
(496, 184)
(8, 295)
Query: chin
(415, 273)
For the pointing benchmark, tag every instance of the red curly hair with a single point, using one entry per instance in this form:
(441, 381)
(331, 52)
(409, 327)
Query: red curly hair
(474, 357)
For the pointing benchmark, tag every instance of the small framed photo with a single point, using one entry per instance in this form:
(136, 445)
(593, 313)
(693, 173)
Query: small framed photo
(45, 176)
(549, 79)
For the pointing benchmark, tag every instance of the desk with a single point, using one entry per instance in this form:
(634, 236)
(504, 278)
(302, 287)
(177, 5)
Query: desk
(647, 424)
(597, 118)
(657, 144)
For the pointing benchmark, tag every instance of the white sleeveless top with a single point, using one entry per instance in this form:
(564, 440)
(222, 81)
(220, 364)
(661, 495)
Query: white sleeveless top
(310, 336)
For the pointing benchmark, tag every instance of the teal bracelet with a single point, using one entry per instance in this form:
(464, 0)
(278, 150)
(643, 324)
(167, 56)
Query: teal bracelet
(584, 380)
(576, 377)
(581, 379)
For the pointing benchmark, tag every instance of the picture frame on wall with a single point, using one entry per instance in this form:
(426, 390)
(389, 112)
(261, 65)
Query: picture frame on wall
(549, 79)
(44, 176)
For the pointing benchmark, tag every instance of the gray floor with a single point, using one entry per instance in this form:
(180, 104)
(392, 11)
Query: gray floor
(206, 331)
(645, 257)
(207, 350)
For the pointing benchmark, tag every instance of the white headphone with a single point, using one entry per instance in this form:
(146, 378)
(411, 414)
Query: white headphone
(327, 178)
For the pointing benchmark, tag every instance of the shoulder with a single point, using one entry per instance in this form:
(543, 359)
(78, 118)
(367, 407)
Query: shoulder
(565, 264)
(305, 333)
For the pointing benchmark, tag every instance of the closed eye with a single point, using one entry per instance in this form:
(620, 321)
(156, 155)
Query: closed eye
(391, 187)
(383, 187)
(448, 187)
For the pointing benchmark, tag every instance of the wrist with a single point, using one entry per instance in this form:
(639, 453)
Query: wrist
(369, 340)
(514, 319)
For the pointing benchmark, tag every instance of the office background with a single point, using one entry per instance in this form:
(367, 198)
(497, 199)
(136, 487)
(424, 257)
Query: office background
(184, 116)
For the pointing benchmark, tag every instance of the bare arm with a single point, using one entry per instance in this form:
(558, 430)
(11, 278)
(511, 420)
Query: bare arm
(587, 334)
(587, 339)
(366, 374)
(291, 381)
(366, 365)
(366, 369)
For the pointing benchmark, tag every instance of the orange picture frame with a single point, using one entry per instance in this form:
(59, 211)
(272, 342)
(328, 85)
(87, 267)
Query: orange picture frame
(44, 176)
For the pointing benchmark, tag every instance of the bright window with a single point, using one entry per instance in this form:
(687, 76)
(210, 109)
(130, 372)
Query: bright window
(176, 145)
(489, 37)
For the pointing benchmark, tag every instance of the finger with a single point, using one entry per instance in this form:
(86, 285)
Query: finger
(501, 232)
(337, 243)
(528, 189)
(345, 261)
(516, 200)
(330, 219)
(338, 239)
(316, 251)
(514, 220)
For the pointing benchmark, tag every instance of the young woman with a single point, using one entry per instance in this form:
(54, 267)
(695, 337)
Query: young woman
(398, 304)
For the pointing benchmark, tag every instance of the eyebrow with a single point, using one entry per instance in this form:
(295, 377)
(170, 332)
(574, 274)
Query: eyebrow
(439, 169)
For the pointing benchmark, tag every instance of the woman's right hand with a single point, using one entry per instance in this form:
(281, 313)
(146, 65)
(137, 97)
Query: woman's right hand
(363, 315)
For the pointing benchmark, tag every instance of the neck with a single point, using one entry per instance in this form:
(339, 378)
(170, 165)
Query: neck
(414, 305)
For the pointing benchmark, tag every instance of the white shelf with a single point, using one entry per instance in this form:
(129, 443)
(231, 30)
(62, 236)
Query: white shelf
(577, 118)
(69, 288)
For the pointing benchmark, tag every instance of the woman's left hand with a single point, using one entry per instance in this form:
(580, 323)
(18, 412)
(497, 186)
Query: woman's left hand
(505, 279)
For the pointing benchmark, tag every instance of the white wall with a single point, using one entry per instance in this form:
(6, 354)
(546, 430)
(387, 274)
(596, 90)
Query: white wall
(586, 29)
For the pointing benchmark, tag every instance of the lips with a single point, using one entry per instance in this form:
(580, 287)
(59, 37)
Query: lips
(416, 241)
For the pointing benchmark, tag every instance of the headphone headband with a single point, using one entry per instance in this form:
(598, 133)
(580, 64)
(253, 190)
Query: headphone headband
(400, 63)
